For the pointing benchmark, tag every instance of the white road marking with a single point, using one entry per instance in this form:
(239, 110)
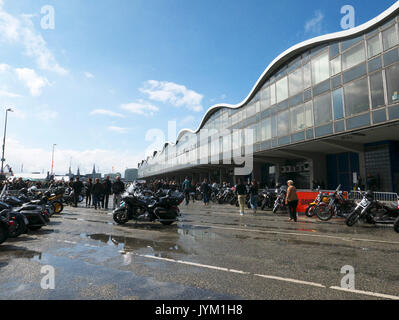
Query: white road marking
(368, 293)
(297, 234)
(307, 283)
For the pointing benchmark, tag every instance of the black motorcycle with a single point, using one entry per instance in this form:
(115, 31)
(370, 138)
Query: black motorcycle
(338, 206)
(373, 211)
(4, 225)
(279, 203)
(159, 207)
(267, 199)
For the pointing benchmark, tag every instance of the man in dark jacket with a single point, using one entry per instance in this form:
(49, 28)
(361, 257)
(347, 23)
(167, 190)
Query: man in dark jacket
(117, 188)
(97, 191)
(89, 190)
(206, 191)
(107, 191)
(77, 187)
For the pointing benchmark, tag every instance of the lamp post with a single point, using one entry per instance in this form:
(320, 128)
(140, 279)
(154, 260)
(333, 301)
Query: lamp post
(52, 161)
(4, 141)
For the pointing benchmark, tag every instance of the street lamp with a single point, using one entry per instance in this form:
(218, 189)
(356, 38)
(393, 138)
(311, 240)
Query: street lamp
(52, 161)
(4, 141)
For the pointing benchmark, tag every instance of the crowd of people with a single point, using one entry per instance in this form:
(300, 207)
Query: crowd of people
(241, 189)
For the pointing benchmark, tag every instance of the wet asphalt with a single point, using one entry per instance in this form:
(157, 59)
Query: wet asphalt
(211, 253)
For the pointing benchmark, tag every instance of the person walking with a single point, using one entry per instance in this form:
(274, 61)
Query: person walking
(206, 191)
(89, 190)
(292, 200)
(107, 192)
(254, 195)
(97, 191)
(186, 188)
(117, 188)
(241, 191)
(77, 187)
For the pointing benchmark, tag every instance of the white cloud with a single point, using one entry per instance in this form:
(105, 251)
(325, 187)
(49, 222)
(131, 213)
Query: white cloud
(6, 94)
(315, 24)
(118, 129)
(187, 120)
(141, 107)
(106, 113)
(21, 30)
(89, 75)
(175, 94)
(38, 159)
(32, 81)
(47, 115)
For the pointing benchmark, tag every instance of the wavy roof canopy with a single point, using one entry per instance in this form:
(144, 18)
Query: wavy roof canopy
(285, 57)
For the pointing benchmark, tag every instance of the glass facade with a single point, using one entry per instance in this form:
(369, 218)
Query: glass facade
(331, 88)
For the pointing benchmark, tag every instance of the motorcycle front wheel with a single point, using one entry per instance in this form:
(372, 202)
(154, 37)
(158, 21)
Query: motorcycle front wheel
(396, 226)
(352, 219)
(323, 213)
(3, 234)
(121, 216)
(310, 211)
(58, 207)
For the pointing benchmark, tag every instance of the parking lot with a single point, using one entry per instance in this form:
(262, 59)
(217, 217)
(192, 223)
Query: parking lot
(212, 253)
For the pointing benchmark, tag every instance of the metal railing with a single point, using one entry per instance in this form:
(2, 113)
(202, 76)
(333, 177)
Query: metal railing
(379, 196)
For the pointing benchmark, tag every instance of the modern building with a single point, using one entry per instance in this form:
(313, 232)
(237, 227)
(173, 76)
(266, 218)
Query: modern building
(131, 175)
(325, 111)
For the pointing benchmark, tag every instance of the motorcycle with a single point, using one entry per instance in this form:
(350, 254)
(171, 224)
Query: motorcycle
(337, 206)
(321, 198)
(4, 225)
(373, 211)
(267, 199)
(160, 207)
(279, 203)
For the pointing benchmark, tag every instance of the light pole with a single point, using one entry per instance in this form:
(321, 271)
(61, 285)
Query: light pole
(52, 161)
(4, 141)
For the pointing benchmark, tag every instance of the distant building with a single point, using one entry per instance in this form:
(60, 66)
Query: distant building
(131, 175)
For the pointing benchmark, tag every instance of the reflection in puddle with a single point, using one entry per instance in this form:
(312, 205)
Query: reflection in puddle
(130, 244)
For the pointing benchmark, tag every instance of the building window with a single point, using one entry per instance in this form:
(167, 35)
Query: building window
(392, 74)
(320, 68)
(301, 117)
(283, 124)
(377, 90)
(307, 76)
(265, 99)
(356, 97)
(322, 110)
(282, 89)
(353, 57)
(295, 82)
(336, 66)
(251, 110)
(373, 46)
(274, 126)
(338, 104)
(273, 94)
(266, 129)
(389, 38)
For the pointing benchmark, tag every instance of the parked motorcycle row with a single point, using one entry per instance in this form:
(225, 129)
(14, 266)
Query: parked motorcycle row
(326, 206)
(143, 205)
(30, 209)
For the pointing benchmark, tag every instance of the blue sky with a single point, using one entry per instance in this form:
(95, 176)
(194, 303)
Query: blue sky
(112, 70)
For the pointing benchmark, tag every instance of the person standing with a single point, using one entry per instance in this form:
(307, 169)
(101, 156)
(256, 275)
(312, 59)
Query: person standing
(206, 191)
(89, 190)
(241, 191)
(292, 200)
(117, 188)
(77, 187)
(186, 188)
(97, 191)
(254, 195)
(107, 192)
